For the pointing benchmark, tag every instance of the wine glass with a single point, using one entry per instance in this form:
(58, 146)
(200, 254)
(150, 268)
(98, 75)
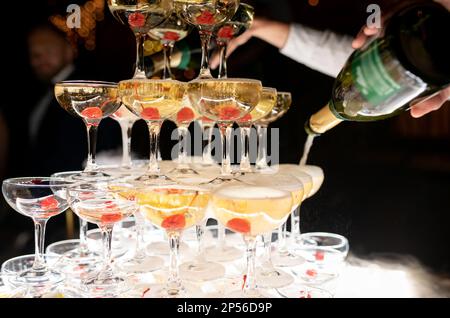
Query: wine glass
(266, 104)
(154, 101)
(92, 101)
(173, 208)
(141, 16)
(126, 120)
(225, 101)
(267, 275)
(239, 23)
(205, 15)
(251, 211)
(172, 30)
(284, 102)
(39, 199)
(102, 204)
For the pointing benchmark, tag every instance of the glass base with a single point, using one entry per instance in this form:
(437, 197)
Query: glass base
(143, 265)
(91, 176)
(201, 271)
(250, 294)
(274, 278)
(224, 254)
(38, 278)
(162, 291)
(162, 248)
(301, 291)
(105, 285)
(287, 260)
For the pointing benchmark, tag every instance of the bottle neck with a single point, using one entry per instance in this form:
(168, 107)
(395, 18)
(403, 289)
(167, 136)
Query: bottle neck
(322, 121)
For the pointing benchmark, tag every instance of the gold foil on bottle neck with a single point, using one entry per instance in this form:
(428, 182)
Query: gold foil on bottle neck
(323, 120)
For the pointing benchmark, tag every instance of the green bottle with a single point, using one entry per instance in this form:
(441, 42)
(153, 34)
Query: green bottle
(410, 59)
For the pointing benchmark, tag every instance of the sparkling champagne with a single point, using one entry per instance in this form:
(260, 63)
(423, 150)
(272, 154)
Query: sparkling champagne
(284, 102)
(266, 104)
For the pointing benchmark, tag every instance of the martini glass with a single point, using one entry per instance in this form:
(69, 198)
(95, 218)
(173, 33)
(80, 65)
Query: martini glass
(154, 101)
(92, 102)
(141, 16)
(173, 208)
(39, 199)
(284, 102)
(237, 25)
(266, 104)
(205, 15)
(104, 205)
(251, 211)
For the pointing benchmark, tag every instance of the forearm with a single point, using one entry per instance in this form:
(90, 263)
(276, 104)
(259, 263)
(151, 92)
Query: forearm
(323, 51)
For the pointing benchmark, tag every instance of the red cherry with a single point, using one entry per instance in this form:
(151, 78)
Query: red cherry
(311, 272)
(185, 115)
(92, 113)
(171, 36)
(230, 113)
(150, 114)
(136, 20)
(225, 32)
(206, 18)
(239, 225)
(319, 255)
(174, 222)
(49, 203)
(111, 218)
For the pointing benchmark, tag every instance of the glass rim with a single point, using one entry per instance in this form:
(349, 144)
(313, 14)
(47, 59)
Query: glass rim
(269, 89)
(228, 79)
(19, 182)
(77, 83)
(151, 81)
(343, 239)
(284, 93)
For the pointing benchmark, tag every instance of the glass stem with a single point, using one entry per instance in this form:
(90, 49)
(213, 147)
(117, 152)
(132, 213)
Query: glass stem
(139, 72)
(245, 165)
(167, 50)
(126, 127)
(250, 281)
(208, 131)
(266, 261)
(225, 131)
(83, 236)
(154, 128)
(107, 249)
(39, 237)
(282, 246)
(205, 38)
(295, 225)
(92, 146)
(139, 224)
(261, 162)
(174, 283)
(221, 234)
(183, 133)
(223, 60)
(199, 233)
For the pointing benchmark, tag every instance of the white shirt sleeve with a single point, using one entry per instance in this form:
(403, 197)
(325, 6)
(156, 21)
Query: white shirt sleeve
(323, 51)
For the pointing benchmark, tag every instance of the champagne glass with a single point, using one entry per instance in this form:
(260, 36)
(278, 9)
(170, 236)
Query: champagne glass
(141, 16)
(284, 102)
(225, 101)
(267, 275)
(168, 33)
(102, 204)
(183, 118)
(206, 15)
(126, 120)
(154, 101)
(173, 208)
(91, 101)
(239, 23)
(251, 210)
(39, 199)
(266, 104)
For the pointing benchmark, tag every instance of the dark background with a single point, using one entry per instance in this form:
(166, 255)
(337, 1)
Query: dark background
(387, 184)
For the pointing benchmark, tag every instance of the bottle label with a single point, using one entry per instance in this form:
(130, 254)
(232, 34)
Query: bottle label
(371, 77)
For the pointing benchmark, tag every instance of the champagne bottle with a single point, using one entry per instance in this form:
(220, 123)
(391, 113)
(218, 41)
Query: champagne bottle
(379, 80)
